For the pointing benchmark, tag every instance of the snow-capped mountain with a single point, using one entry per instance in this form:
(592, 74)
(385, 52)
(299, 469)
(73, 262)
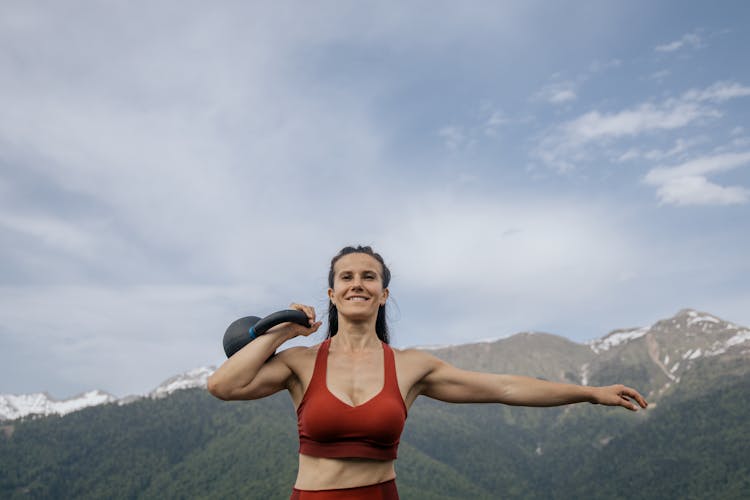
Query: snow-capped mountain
(18, 406)
(675, 344)
(691, 333)
(13, 406)
(652, 358)
(188, 380)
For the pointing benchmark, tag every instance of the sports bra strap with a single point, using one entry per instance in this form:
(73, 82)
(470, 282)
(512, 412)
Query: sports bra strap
(321, 364)
(389, 360)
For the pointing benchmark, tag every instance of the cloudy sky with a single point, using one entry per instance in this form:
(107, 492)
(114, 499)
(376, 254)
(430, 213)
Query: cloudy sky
(166, 167)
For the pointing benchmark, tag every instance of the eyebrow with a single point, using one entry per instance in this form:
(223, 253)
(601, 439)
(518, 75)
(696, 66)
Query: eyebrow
(363, 271)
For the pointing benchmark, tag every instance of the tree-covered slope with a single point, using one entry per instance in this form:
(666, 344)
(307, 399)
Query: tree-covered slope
(190, 445)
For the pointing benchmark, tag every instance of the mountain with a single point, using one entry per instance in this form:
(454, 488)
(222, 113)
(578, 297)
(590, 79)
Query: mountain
(18, 406)
(41, 404)
(652, 359)
(693, 443)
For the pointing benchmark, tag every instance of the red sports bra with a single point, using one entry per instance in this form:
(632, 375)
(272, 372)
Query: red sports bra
(330, 428)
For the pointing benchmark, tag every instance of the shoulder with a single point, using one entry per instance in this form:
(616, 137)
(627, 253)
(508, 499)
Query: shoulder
(294, 356)
(299, 360)
(416, 359)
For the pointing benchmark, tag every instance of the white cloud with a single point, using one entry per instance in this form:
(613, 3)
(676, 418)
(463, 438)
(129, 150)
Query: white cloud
(489, 246)
(697, 190)
(457, 138)
(680, 147)
(96, 332)
(496, 266)
(630, 154)
(571, 142)
(557, 93)
(687, 40)
(644, 118)
(718, 92)
(453, 137)
(562, 95)
(51, 231)
(686, 184)
(698, 166)
(164, 162)
(659, 75)
(495, 121)
(568, 144)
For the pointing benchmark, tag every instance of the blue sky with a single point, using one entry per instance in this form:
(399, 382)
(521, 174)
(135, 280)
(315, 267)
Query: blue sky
(166, 167)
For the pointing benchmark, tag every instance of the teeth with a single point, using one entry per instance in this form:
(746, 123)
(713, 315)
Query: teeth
(359, 299)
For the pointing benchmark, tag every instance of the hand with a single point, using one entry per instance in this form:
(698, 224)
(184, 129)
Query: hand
(292, 330)
(618, 395)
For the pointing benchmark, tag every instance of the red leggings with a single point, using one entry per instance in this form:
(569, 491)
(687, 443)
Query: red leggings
(380, 491)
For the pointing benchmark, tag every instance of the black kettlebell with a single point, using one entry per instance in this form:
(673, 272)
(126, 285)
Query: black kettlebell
(244, 330)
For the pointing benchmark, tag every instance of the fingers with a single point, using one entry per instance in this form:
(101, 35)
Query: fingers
(314, 327)
(626, 403)
(308, 310)
(633, 394)
(628, 394)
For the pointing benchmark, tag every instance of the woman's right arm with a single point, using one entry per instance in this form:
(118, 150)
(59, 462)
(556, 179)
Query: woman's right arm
(247, 375)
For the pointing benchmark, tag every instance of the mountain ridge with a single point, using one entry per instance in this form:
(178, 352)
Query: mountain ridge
(659, 354)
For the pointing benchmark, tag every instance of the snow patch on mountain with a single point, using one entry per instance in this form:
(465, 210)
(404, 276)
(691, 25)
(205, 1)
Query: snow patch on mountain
(196, 378)
(16, 406)
(738, 338)
(617, 338)
(585, 374)
(695, 317)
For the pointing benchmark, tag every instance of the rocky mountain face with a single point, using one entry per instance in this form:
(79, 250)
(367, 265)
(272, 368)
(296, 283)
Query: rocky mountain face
(654, 359)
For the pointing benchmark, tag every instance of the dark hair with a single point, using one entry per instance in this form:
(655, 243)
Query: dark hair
(381, 324)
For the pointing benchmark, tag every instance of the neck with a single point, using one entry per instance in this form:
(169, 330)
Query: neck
(354, 336)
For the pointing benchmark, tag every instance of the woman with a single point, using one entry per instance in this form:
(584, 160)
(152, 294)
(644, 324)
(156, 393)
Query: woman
(353, 391)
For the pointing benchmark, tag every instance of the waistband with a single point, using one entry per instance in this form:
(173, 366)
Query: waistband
(380, 491)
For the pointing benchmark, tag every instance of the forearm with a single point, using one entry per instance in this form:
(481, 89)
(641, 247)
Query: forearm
(527, 391)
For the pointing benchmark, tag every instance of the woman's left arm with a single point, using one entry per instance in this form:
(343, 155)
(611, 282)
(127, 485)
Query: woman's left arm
(447, 383)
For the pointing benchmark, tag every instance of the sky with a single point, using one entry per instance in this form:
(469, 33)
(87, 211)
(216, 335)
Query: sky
(167, 167)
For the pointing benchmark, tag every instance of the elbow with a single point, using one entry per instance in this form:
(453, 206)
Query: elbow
(216, 388)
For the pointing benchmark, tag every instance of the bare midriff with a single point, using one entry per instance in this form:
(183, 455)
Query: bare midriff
(316, 473)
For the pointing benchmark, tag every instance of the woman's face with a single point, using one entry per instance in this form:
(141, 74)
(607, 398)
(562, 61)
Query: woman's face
(358, 286)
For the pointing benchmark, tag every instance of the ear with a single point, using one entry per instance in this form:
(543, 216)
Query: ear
(330, 294)
(384, 297)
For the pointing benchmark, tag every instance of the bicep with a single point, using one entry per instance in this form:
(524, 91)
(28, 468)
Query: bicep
(274, 376)
(447, 383)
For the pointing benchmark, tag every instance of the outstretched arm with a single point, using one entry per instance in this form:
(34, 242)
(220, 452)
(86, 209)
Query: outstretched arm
(447, 383)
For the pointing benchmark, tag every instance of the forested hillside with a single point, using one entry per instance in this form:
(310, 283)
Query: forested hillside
(692, 442)
(190, 445)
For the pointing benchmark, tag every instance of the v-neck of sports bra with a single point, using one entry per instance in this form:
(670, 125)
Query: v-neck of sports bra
(325, 378)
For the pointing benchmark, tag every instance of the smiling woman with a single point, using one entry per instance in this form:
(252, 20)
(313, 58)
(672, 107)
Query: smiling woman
(373, 269)
(353, 391)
